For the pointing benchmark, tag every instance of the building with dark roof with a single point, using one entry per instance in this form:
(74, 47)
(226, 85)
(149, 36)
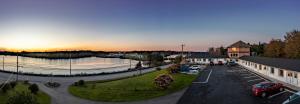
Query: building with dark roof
(280, 69)
(238, 49)
(206, 58)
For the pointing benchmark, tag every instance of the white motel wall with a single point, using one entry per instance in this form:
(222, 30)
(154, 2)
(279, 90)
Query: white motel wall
(283, 75)
(207, 60)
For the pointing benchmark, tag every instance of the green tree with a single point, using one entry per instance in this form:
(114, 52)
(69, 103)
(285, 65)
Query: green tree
(292, 44)
(258, 49)
(22, 98)
(178, 59)
(275, 48)
(155, 59)
(138, 65)
(34, 88)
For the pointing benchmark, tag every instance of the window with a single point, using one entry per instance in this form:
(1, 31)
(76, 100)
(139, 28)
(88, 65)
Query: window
(265, 68)
(290, 74)
(272, 70)
(204, 59)
(281, 73)
(255, 66)
(259, 67)
(295, 75)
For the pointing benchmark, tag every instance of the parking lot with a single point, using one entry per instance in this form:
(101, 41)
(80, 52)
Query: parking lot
(228, 85)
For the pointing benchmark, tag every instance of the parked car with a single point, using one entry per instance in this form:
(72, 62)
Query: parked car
(231, 63)
(195, 67)
(220, 63)
(194, 71)
(211, 63)
(264, 89)
(293, 99)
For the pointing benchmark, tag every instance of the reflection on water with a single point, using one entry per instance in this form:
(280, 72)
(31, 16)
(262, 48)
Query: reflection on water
(62, 66)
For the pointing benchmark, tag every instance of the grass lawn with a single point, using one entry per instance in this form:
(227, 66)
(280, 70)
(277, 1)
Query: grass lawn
(42, 97)
(130, 89)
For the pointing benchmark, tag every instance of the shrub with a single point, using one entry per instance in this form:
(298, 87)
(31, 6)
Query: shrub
(173, 69)
(26, 82)
(5, 87)
(75, 84)
(34, 88)
(13, 84)
(22, 98)
(81, 82)
(158, 68)
(163, 81)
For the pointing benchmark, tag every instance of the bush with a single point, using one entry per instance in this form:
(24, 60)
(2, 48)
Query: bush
(34, 88)
(22, 98)
(13, 84)
(75, 84)
(158, 68)
(163, 81)
(5, 87)
(26, 82)
(81, 82)
(173, 69)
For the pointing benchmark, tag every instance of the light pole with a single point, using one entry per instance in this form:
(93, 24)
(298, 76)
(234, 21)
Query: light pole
(70, 64)
(3, 63)
(17, 67)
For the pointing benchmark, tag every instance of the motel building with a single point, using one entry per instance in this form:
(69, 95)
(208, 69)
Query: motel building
(206, 58)
(281, 70)
(278, 69)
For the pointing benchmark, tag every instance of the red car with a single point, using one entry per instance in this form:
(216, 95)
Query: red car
(266, 88)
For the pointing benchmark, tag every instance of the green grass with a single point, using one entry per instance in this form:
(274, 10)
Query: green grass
(130, 89)
(42, 97)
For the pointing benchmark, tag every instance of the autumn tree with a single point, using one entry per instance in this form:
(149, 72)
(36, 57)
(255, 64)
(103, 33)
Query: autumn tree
(292, 44)
(275, 48)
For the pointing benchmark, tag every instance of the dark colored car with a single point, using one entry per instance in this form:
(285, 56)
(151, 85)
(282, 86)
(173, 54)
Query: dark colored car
(211, 63)
(220, 63)
(231, 63)
(264, 89)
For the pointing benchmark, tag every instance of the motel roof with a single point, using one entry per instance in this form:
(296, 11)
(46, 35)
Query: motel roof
(288, 64)
(239, 44)
(205, 55)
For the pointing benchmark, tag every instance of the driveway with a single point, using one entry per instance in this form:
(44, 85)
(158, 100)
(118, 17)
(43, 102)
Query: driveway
(227, 85)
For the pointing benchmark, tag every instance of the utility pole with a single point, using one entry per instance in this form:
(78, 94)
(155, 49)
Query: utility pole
(130, 63)
(70, 64)
(182, 45)
(3, 63)
(17, 67)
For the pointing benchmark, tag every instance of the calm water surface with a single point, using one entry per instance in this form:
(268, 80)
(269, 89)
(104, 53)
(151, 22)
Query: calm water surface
(62, 66)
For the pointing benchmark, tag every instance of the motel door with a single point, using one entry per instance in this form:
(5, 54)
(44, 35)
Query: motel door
(292, 78)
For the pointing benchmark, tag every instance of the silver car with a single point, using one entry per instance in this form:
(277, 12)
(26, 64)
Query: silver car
(293, 99)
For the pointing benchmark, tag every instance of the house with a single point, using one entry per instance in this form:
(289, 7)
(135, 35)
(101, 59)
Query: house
(238, 49)
(280, 69)
(206, 58)
(171, 58)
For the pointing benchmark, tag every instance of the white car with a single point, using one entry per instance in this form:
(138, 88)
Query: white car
(196, 67)
(293, 99)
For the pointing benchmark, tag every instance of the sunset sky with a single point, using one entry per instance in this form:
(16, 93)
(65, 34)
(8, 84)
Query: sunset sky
(110, 25)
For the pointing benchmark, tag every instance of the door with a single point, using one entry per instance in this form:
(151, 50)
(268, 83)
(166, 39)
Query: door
(289, 77)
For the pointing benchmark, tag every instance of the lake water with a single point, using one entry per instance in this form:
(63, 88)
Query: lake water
(88, 65)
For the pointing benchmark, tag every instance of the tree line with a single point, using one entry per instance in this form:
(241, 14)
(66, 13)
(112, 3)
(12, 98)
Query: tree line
(289, 47)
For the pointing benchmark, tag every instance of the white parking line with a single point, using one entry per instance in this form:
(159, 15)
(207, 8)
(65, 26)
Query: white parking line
(246, 74)
(276, 94)
(290, 91)
(250, 77)
(254, 80)
(206, 81)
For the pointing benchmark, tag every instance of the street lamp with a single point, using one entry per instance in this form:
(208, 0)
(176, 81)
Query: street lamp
(70, 64)
(17, 66)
